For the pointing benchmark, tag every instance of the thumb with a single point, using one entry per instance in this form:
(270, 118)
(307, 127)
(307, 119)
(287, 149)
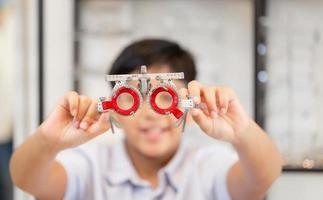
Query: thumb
(100, 126)
(204, 122)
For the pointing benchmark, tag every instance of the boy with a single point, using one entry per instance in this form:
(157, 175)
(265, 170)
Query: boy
(152, 162)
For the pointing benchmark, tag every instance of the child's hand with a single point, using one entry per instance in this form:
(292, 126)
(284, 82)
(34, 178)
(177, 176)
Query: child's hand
(221, 116)
(74, 121)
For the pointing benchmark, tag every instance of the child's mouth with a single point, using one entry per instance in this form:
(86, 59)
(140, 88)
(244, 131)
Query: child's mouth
(154, 134)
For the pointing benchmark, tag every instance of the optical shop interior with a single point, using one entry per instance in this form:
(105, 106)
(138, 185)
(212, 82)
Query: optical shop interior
(161, 99)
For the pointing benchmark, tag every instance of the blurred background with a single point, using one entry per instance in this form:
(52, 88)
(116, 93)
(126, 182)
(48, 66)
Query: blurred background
(269, 51)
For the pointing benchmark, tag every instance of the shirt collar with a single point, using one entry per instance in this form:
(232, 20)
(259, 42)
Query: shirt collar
(121, 170)
(176, 164)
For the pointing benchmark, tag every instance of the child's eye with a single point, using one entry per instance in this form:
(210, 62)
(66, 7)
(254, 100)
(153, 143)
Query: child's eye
(166, 97)
(164, 100)
(125, 101)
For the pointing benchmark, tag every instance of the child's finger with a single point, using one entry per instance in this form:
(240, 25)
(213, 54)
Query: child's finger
(225, 95)
(84, 104)
(71, 102)
(222, 101)
(194, 89)
(210, 100)
(204, 108)
(204, 122)
(90, 116)
(100, 126)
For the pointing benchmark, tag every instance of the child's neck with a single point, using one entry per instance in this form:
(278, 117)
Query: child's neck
(147, 167)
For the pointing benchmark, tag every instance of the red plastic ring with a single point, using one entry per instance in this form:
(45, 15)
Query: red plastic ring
(172, 108)
(114, 101)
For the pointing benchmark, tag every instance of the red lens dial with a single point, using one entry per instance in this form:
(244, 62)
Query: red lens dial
(114, 101)
(172, 108)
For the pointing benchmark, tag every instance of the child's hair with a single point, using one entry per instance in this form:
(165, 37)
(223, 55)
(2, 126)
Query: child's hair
(156, 52)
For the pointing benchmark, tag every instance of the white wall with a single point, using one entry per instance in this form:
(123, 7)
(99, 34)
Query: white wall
(58, 64)
(59, 40)
(26, 85)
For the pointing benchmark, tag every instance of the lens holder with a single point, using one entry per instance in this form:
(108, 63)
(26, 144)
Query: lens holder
(145, 89)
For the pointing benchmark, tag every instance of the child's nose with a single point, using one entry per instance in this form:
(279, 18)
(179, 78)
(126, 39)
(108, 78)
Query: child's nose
(148, 113)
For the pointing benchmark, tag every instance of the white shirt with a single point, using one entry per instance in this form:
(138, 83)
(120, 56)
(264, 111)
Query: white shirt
(97, 173)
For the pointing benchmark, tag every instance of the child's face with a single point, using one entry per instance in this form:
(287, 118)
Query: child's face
(149, 133)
